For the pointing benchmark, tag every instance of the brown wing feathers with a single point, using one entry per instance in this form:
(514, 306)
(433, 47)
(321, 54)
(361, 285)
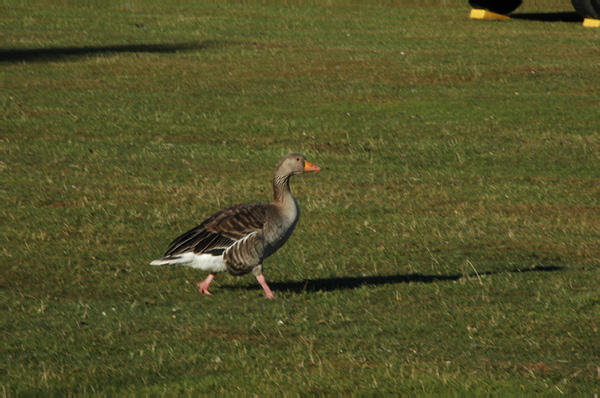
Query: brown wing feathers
(221, 230)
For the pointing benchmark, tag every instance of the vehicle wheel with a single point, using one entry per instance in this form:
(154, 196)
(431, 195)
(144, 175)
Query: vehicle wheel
(587, 8)
(498, 6)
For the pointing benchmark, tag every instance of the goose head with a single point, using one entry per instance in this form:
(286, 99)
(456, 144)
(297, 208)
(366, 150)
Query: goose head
(295, 163)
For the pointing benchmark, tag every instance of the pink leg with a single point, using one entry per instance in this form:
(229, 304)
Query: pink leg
(205, 284)
(268, 293)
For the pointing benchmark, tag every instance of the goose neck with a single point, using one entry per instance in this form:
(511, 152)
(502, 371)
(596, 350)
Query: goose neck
(281, 188)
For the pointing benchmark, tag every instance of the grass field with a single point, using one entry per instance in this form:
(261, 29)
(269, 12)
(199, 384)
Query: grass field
(450, 244)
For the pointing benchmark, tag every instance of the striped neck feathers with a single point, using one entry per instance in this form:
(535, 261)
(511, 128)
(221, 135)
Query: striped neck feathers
(281, 188)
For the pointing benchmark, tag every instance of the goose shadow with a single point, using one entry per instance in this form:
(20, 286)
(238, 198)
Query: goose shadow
(57, 53)
(549, 16)
(353, 282)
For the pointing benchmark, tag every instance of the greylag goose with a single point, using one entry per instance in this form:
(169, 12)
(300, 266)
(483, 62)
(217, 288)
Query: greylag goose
(237, 239)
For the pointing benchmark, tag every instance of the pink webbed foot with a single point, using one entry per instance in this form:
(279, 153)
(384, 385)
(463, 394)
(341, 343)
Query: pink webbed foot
(203, 286)
(203, 289)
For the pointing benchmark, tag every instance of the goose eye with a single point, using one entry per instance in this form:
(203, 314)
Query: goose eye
(297, 159)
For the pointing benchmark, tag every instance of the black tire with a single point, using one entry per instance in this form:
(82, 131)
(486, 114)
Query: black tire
(498, 6)
(587, 8)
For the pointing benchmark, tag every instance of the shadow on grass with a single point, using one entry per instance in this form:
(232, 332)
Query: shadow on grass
(56, 53)
(549, 17)
(352, 282)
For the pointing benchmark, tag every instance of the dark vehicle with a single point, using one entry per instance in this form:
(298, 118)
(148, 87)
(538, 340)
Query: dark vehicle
(585, 8)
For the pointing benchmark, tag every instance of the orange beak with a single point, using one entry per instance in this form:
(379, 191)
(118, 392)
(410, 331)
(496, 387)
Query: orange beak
(308, 166)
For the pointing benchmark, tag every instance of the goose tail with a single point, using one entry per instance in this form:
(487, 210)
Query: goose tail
(179, 259)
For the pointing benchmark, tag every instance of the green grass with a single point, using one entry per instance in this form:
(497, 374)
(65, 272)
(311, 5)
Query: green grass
(451, 242)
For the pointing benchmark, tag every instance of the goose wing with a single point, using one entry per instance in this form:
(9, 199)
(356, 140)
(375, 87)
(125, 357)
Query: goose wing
(221, 230)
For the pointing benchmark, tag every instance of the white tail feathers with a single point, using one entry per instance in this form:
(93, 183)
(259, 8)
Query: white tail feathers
(181, 259)
(205, 262)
